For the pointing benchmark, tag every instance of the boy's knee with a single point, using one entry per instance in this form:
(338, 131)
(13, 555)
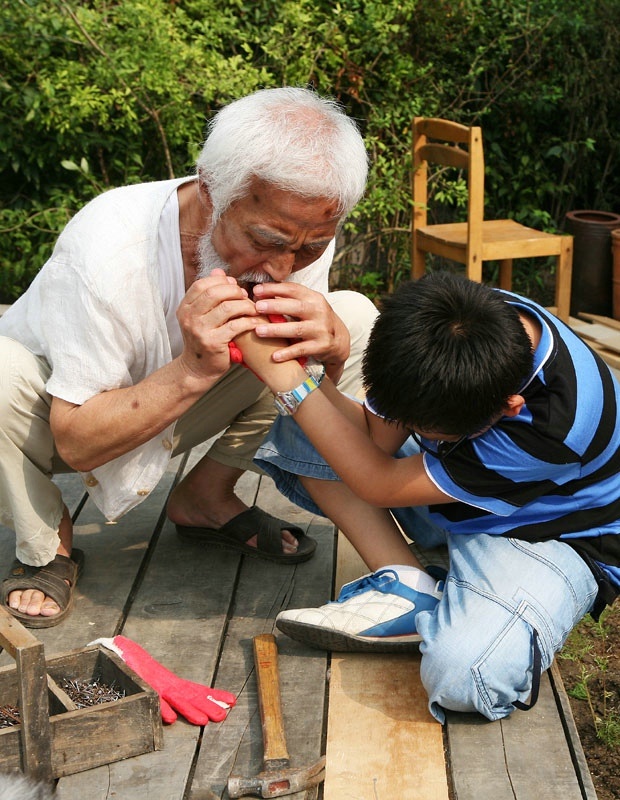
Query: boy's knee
(486, 675)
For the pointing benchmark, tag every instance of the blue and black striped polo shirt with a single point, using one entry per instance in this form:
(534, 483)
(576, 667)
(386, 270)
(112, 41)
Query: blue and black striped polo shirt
(553, 471)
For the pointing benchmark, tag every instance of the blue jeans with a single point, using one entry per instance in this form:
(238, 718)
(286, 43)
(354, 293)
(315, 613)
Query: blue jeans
(502, 596)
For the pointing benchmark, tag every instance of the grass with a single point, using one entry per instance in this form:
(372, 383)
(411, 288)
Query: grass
(589, 646)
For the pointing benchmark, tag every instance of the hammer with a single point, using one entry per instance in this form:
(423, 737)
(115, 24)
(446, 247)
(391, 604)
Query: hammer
(277, 777)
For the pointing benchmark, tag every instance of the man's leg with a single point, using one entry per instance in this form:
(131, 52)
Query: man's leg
(503, 600)
(206, 496)
(30, 502)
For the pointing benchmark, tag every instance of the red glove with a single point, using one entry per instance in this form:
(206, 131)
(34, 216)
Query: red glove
(197, 703)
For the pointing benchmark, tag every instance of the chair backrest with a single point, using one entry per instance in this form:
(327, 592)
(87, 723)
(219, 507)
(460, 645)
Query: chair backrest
(444, 143)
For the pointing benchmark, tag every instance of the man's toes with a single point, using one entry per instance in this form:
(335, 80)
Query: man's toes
(14, 599)
(289, 542)
(49, 608)
(33, 602)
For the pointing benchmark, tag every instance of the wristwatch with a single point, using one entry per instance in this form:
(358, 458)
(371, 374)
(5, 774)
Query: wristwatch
(287, 403)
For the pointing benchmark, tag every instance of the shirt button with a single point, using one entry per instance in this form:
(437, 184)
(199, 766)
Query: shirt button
(142, 492)
(90, 480)
(167, 444)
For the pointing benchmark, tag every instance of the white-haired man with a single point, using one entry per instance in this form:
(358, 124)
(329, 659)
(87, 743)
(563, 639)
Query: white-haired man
(117, 356)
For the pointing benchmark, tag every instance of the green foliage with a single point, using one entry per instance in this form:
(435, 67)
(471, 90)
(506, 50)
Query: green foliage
(105, 92)
(588, 645)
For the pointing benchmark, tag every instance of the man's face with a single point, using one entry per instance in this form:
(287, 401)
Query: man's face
(268, 234)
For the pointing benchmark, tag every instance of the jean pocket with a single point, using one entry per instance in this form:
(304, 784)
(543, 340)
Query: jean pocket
(504, 672)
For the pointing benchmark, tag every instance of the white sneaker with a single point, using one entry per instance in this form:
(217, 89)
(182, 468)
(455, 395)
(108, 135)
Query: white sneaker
(376, 613)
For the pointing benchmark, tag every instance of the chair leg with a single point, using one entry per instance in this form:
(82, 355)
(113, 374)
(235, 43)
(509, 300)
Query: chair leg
(418, 266)
(563, 277)
(505, 274)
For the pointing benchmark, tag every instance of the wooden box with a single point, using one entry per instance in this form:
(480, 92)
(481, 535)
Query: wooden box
(55, 737)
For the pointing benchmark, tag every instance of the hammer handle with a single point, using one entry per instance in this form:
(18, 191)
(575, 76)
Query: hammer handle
(269, 703)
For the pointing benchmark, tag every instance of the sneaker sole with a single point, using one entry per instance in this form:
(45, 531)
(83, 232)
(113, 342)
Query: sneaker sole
(339, 642)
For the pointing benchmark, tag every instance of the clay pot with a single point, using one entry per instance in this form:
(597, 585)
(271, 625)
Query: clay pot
(591, 286)
(615, 257)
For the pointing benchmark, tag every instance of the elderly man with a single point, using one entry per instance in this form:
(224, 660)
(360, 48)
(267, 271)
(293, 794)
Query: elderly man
(118, 356)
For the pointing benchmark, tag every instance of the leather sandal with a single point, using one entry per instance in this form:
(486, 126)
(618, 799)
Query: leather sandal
(56, 580)
(254, 522)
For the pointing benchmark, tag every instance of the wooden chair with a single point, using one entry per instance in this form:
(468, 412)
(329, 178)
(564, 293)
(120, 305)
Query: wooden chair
(449, 144)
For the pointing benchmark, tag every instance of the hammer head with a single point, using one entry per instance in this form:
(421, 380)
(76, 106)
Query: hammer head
(277, 782)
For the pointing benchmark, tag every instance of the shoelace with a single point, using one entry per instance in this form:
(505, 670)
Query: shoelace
(377, 581)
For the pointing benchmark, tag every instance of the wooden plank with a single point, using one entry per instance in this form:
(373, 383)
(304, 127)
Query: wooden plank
(235, 746)
(476, 758)
(572, 734)
(526, 736)
(526, 755)
(382, 742)
(188, 635)
(602, 335)
(177, 612)
(610, 322)
(613, 359)
(34, 709)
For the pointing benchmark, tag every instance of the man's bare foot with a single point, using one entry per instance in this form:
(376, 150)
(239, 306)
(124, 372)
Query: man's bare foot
(32, 601)
(205, 498)
(184, 511)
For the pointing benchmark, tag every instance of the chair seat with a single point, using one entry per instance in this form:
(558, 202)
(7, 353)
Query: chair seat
(499, 237)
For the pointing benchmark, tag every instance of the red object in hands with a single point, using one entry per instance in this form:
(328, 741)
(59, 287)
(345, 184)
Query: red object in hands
(197, 703)
(236, 356)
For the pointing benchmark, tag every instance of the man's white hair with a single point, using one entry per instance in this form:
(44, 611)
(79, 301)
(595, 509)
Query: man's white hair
(289, 137)
(15, 786)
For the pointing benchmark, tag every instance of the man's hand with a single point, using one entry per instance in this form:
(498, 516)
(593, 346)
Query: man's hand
(213, 312)
(314, 329)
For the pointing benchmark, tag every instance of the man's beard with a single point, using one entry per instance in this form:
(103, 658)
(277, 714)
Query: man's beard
(209, 259)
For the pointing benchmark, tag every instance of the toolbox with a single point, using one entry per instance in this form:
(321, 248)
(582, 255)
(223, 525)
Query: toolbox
(55, 737)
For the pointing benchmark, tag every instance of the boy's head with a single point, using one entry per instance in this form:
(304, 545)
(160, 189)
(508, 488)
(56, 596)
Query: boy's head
(445, 354)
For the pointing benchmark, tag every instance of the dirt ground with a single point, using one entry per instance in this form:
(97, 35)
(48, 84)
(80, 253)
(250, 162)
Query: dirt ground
(590, 668)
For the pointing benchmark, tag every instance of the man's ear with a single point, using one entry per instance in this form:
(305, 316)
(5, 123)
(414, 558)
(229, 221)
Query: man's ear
(203, 191)
(513, 406)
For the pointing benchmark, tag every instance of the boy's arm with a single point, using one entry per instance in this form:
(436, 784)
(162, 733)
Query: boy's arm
(257, 355)
(369, 471)
(388, 436)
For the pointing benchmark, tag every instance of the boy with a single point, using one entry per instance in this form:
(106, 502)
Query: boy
(490, 426)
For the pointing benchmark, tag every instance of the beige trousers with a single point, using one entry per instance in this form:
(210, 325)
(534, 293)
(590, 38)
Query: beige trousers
(239, 404)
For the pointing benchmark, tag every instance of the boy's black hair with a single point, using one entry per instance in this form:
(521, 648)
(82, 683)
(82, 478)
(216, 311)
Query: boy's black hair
(445, 354)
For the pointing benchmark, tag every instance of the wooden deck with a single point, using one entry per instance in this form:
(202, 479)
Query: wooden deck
(197, 609)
